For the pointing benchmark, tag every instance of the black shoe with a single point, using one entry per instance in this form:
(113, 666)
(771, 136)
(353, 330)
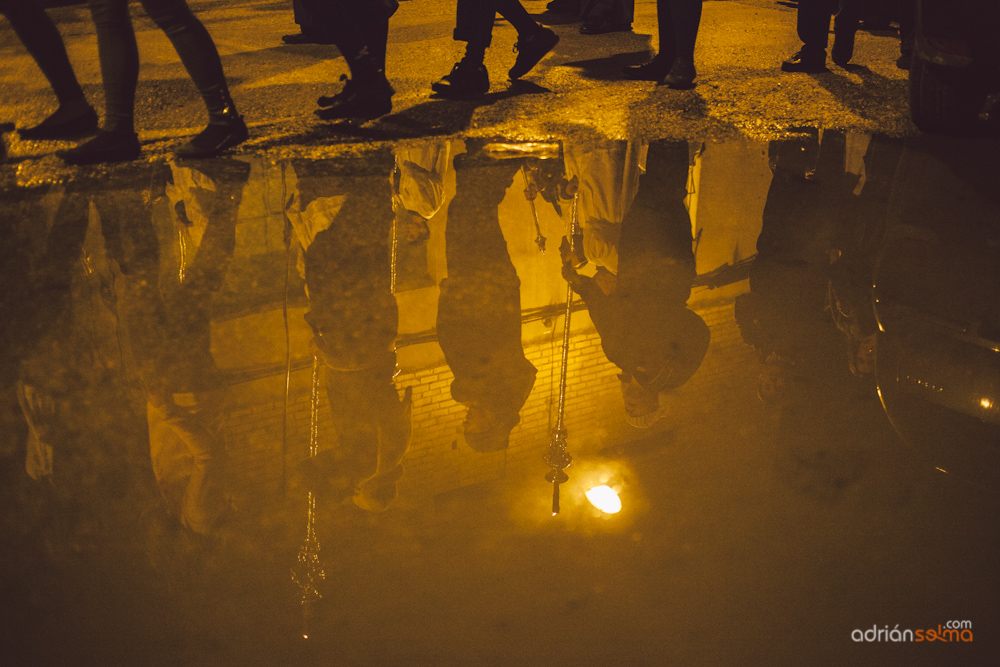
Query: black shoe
(531, 50)
(602, 26)
(64, 124)
(466, 80)
(306, 38)
(655, 70)
(681, 75)
(365, 100)
(805, 62)
(215, 138)
(105, 147)
(345, 92)
(904, 59)
(843, 48)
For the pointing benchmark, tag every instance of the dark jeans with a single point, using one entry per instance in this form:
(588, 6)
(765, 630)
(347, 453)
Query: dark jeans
(359, 29)
(39, 35)
(474, 20)
(119, 55)
(615, 11)
(813, 21)
(677, 23)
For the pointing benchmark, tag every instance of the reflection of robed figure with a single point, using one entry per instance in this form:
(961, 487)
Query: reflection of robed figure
(169, 328)
(645, 328)
(608, 178)
(479, 312)
(354, 316)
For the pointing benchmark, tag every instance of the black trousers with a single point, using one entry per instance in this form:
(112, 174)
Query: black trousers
(813, 21)
(474, 20)
(677, 25)
(119, 55)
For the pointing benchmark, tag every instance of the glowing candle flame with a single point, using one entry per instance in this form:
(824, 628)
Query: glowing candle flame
(605, 499)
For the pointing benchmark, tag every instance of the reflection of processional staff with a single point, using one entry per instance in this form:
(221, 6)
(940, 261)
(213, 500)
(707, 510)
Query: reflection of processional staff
(308, 571)
(557, 458)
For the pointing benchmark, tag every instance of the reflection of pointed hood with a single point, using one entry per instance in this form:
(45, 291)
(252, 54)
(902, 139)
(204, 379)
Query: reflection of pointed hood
(420, 190)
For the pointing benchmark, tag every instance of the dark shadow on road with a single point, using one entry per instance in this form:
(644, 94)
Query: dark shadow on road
(860, 98)
(610, 68)
(436, 117)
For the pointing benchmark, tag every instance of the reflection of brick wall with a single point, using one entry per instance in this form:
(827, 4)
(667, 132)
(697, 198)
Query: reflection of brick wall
(439, 460)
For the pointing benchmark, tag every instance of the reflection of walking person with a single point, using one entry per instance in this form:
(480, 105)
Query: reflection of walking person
(170, 334)
(474, 26)
(479, 311)
(74, 117)
(119, 55)
(677, 23)
(645, 326)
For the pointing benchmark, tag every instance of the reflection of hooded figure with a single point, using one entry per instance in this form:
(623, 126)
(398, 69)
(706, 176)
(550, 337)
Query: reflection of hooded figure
(645, 328)
(479, 312)
(608, 179)
(354, 316)
(170, 329)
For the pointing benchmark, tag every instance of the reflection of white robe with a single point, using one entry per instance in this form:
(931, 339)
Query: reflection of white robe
(187, 452)
(192, 188)
(421, 184)
(609, 179)
(310, 220)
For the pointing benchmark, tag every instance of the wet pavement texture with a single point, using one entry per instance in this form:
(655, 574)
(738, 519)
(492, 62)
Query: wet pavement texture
(310, 411)
(335, 398)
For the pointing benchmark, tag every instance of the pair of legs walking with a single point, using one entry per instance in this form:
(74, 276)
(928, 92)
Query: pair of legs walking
(119, 58)
(474, 26)
(813, 26)
(677, 24)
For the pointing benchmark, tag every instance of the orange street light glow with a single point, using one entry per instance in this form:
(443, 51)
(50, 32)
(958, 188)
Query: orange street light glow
(605, 499)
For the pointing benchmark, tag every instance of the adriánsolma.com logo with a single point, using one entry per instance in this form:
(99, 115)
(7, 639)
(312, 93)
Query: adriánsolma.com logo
(952, 631)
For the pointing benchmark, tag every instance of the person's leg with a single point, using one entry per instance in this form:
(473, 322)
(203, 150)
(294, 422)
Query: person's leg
(361, 33)
(201, 60)
(42, 40)
(474, 26)
(533, 40)
(657, 68)
(845, 26)
(119, 58)
(813, 27)
(515, 14)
